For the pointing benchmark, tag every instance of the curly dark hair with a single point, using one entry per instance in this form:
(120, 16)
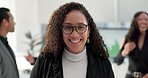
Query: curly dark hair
(134, 32)
(54, 38)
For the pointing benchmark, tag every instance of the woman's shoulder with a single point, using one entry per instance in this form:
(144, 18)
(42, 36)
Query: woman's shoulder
(45, 56)
(101, 58)
(105, 62)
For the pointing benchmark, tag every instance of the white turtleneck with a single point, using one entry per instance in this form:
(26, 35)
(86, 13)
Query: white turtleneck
(74, 65)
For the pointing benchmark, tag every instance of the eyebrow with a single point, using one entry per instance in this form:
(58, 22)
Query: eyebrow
(74, 24)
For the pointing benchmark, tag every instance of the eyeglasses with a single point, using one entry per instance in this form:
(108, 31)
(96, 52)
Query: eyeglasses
(80, 28)
(140, 19)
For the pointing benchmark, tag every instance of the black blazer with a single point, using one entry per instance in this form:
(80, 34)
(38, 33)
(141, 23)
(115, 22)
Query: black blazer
(49, 66)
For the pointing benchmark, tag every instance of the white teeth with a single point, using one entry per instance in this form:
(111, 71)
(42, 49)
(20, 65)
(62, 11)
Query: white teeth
(75, 41)
(143, 25)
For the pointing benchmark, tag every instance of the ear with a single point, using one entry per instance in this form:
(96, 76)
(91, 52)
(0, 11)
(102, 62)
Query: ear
(5, 22)
(88, 33)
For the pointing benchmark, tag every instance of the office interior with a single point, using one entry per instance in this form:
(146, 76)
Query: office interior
(112, 17)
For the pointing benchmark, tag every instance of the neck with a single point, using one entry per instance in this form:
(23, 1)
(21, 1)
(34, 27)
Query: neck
(75, 57)
(143, 34)
(3, 33)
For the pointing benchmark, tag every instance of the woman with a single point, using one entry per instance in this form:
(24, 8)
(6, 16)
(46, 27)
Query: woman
(74, 47)
(135, 45)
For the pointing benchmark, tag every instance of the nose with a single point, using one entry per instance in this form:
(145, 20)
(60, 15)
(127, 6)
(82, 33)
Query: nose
(74, 32)
(14, 22)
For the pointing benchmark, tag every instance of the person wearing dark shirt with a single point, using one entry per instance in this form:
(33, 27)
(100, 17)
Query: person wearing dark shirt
(8, 66)
(135, 45)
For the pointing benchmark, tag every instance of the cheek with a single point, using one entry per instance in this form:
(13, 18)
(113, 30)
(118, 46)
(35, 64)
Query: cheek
(64, 37)
(86, 35)
(88, 32)
(138, 22)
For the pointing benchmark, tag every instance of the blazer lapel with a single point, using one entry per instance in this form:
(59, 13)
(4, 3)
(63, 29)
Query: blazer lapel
(57, 67)
(93, 69)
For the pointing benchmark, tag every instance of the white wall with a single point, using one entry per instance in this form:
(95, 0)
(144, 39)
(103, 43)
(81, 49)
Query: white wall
(101, 10)
(26, 19)
(127, 8)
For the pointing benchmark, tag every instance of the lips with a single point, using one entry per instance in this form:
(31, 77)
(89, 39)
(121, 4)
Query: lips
(143, 26)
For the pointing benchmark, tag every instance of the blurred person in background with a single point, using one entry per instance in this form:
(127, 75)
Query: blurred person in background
(8, 66)
(73, 48)
(135, 46)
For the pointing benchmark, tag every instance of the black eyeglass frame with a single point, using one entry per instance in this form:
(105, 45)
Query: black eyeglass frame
(74, 27)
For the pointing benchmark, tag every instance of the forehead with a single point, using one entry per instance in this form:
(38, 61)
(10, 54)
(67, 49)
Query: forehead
(75, 17)
(143, 15)
(10, 15)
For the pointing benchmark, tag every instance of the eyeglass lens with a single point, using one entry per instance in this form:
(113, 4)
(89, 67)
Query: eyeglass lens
(80, 28)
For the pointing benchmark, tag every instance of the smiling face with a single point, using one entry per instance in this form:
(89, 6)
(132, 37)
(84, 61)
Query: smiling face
(75, 42)
(142, 20)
